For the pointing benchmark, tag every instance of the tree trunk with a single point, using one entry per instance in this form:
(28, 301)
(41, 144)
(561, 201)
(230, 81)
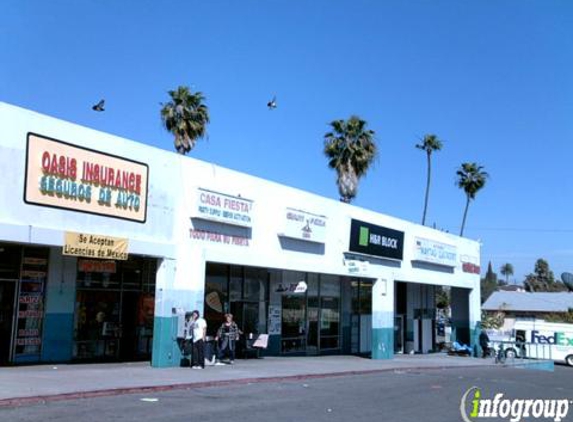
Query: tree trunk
(427, 189)
(465, 215)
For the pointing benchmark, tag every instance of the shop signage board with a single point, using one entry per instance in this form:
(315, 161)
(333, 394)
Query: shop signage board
(426, 250)
(304, 225)
(62, 175)
(95, 246)
(96, 266)
(223, 208)
(470, 264)
(355, 267)
(370, 239)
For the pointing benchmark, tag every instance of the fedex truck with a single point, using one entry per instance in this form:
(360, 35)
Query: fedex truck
(543, 340)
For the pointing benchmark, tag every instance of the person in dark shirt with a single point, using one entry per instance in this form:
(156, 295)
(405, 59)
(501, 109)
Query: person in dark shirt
(227, 335)
(484, 343)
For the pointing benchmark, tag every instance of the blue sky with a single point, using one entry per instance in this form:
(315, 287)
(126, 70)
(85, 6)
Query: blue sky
(492, 79)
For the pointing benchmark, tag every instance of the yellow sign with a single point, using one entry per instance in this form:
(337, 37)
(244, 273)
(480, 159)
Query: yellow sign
(95, 246)
(63, 175)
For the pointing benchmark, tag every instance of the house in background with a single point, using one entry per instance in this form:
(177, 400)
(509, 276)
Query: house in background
(507, 307)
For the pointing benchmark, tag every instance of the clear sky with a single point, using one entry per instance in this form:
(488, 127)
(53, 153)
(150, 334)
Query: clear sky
(493, 79)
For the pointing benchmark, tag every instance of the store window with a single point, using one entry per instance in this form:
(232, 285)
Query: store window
(216, 298)
(30, 307)
(247, 297)
(114, 313)
(329, 312)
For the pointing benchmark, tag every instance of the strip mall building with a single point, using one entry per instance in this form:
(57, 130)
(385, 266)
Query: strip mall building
(104, 241)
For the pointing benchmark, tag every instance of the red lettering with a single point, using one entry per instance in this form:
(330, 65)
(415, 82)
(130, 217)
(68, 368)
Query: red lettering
(46, 161)
(125, 181)
(95, 174)
(110, 176)
(131, 182)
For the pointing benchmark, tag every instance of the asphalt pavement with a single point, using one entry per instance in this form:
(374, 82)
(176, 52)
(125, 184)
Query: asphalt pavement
(429, 395)
(41, 383)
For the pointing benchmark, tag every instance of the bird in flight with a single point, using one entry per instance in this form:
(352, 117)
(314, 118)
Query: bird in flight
(272, 104)
(99, 106)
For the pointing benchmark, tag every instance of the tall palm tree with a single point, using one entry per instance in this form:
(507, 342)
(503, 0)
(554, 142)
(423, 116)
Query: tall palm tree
(186, 116)
(430, 143)
(350, 149)
(506, 270)
(471, 178)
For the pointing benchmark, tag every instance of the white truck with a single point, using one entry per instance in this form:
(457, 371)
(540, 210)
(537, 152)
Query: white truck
(538, 339)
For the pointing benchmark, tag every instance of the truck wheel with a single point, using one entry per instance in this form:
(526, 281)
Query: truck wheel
(569, 360)
(510, 353)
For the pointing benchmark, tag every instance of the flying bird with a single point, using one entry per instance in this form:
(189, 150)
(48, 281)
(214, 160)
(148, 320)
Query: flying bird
(272, 104)
(99, 106)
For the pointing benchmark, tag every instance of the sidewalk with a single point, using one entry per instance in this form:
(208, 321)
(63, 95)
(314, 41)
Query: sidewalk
(33, 384)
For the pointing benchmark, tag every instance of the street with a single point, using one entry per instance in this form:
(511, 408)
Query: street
(429, 395)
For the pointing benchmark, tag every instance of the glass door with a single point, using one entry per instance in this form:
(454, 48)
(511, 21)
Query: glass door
(7, 298)
(399, 334)
(329, 313)
(294, 324)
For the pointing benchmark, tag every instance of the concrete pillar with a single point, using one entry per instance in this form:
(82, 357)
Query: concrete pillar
(383, 319)
(58, 329)
(180, 284)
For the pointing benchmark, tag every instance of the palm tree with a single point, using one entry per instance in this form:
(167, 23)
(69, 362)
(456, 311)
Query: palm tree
(506, 270)
(471, 178)
(350, 149)
(430, 143)
(186, 117)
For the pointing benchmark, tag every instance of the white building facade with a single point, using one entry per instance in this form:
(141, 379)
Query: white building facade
(103, 241)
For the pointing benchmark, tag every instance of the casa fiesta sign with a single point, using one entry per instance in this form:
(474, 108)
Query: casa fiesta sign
(223, 208)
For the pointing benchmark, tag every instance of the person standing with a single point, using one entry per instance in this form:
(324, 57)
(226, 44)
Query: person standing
(199, 327)
(484, 343)
(228, 334)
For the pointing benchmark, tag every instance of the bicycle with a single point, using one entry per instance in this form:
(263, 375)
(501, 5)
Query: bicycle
(498, 354)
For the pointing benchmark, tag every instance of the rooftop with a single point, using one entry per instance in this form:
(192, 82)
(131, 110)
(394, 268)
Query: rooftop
(532, 302)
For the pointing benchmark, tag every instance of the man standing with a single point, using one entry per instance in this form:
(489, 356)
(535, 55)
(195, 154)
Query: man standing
(484, 343)
(199, 327)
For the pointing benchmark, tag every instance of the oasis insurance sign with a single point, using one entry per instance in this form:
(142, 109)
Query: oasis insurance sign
(67, 176)
(375, 240)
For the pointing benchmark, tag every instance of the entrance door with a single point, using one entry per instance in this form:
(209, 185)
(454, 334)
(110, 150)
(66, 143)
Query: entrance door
(399, 334)
(7, 297)
(294, 324)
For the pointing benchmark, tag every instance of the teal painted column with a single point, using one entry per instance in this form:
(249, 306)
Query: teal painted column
(165, 351)
(383, 319)
(382, 343)
(58, 325)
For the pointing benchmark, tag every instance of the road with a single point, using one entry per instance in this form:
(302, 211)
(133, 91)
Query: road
(432, 395)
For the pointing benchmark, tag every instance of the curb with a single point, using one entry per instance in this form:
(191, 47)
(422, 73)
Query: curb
(43, 399)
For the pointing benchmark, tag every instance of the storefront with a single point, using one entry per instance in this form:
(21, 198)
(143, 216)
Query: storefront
(303, 313)
(80, 248)
(168, 234)
(114, 309)
(23, 273)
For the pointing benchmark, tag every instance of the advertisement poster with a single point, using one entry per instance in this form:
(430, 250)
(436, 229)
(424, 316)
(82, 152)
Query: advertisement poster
(275, 319)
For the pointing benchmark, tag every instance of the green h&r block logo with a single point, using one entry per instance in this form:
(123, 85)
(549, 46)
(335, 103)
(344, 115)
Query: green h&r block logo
(364, 236)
